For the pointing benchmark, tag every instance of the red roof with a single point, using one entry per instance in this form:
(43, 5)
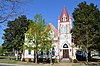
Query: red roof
(64, 12)
(54, 29)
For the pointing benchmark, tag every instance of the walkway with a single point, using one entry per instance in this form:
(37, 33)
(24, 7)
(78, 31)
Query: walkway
(56, 64)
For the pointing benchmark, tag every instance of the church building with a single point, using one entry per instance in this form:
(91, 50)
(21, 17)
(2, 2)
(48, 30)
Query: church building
(64, 48)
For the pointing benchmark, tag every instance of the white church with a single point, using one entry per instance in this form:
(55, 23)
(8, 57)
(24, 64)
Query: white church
(64, 48)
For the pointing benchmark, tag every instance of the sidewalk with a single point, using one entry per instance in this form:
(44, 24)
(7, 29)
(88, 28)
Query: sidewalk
(56, 64)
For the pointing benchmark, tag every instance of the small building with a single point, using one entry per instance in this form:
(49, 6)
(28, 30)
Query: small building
(62, 39)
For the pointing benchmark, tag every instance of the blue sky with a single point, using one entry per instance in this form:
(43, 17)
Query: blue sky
(50, 9)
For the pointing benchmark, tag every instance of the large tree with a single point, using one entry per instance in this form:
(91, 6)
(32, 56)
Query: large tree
(39, 36)
(1, 50)
(86, 31)
(14, 34)
(9, 9)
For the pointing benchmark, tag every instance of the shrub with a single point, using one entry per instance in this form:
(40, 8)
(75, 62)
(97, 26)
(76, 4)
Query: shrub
(23, 59)
(3, 57)
(75, 61)
(55, 61)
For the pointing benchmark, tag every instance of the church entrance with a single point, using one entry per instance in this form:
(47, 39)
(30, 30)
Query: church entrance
(65, 53)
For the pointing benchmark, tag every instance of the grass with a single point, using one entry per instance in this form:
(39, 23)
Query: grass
(9, 61)
(7, 57)
(78, 64)
(3, 57)
(13, 62)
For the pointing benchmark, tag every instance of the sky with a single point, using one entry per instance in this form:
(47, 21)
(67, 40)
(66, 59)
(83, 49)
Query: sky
(49, 9)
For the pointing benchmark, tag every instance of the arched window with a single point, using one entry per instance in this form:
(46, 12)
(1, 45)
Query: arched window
(29, 51)
(52, 34)
(65, 46)
(64, 18)
(53, 51)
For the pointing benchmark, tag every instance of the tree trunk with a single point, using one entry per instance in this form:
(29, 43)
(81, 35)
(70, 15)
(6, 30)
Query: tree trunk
(50, 58)
(36, 57)
(16, 55)
(43, 57)
(87, 55)
(72, 54)
(22, 56)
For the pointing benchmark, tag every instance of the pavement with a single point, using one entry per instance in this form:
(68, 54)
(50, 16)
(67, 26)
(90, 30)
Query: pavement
(56, 64)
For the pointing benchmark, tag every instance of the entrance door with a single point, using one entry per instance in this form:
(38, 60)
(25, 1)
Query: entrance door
(65, 53)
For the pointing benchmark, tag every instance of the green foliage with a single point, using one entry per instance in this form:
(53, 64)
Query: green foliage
(14, 34)
(75, 61)
(8, 57)
(1, 50)
(38, 35)
(3, 57)
(86, 31)
(55, 60)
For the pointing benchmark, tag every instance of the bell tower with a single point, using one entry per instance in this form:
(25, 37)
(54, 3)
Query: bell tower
(64, 28)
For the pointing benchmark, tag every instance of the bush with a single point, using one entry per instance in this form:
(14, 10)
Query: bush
(8, 57)
(23, 59)
(12, 57)
(9, 53)
(55, 60)
(75, 61)
(3, 57)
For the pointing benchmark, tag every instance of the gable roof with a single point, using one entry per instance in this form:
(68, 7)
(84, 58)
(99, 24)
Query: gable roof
(54, 29)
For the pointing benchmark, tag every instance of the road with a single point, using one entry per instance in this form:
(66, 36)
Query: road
(4, 64)
(61, 64)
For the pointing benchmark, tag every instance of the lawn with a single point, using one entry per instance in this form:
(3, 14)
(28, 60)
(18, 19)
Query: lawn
(10, 60)
(78, 64)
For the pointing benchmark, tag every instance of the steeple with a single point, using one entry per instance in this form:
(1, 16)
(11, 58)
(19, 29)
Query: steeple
(64, 16)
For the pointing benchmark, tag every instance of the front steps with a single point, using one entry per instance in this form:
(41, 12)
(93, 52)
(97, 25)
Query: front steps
(65, 60)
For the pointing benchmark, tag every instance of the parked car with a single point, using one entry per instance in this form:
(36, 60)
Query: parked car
(96, 55)
(81, 55)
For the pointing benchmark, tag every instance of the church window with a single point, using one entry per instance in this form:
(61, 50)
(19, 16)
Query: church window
(61, 29)
(65, 46)
(53, 51)
(48, 52)
(64, 29)
(29, 51)
(41, 52)
(67, 27)
(52, 33)
(64, 18)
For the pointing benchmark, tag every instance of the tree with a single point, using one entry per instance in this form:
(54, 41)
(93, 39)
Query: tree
(14, 34)
(38, 35)
(8, 9)
(86, 29)
(1, 50)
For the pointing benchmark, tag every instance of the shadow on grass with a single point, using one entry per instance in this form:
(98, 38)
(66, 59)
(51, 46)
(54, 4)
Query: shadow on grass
(93, 62)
